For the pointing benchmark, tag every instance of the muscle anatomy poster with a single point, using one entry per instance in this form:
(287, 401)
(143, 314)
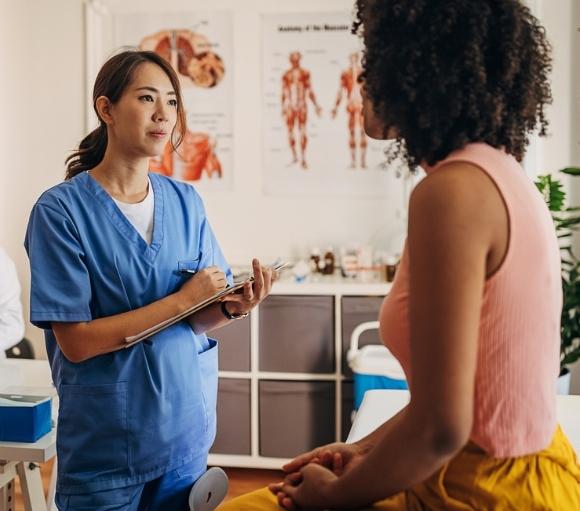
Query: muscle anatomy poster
(313, 138)
(199, 47)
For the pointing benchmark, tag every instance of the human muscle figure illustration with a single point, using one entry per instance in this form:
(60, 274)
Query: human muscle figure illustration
(350, 86)
(188, 53)
(194, 158)
(296, 90)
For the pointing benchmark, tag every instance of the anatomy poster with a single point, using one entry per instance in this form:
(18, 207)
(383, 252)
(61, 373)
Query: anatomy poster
(199, 47)
(313, 138)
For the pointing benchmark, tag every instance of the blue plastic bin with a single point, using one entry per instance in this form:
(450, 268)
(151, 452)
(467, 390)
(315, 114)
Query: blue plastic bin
(374, 367)
(24, 418)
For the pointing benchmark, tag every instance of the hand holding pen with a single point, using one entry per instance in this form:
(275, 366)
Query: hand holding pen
(203, 284)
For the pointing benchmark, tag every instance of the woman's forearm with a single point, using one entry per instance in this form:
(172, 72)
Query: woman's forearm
(368, 442)
(405, 452)
(208, 319)
(83, 340)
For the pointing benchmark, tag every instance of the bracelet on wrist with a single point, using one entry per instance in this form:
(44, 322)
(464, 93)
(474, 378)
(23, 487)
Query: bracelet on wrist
(231, 316)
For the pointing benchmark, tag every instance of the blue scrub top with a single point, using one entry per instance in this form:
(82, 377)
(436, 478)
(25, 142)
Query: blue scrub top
(129, 416)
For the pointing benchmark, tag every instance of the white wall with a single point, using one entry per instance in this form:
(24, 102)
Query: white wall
(557, 147)
(562, 148)
(272, 226)
(42, 103)
(575, 142)
(45, 77)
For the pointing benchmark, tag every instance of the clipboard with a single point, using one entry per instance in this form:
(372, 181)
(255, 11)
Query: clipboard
(134, 339)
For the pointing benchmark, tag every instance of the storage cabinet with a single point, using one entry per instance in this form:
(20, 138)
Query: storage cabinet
(297, 334)
(295, 416)
(234, 345)
(347, 408)
(233, 417)
(284, 385)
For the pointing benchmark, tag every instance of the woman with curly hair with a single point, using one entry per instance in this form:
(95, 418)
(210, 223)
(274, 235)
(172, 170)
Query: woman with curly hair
(473, 319)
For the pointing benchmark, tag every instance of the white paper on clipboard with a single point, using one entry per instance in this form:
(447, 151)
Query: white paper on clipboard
(133, 339)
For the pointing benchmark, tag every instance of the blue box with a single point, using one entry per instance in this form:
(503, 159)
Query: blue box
(374, 367)
(24, 418)
(364, 382)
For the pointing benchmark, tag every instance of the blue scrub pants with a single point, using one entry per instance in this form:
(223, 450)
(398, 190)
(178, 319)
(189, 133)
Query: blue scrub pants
(168, 492)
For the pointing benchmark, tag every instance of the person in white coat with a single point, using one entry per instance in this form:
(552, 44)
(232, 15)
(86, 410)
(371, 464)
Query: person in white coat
(11, 319)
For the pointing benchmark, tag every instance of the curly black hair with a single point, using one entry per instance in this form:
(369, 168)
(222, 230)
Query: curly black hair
(444, 73)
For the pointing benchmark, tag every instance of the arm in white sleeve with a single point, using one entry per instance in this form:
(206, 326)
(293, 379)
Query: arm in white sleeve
(11, 319)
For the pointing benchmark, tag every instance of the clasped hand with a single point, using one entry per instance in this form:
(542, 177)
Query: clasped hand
(311, 478)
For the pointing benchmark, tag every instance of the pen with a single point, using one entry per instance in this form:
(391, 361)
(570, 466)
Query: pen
(185, 270)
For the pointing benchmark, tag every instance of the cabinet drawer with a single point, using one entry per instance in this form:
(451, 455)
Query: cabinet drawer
(234, 345)
(233, 417)
(295, 417)
(297, 334)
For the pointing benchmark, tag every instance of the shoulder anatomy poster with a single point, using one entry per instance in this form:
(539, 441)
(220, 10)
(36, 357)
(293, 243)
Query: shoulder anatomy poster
(199, 47)
(313, 138)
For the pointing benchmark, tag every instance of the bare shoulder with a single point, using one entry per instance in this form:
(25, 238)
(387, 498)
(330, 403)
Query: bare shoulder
(458, 190)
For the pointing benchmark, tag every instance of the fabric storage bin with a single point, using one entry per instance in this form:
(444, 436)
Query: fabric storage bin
(357, 310)
(233, 417)
(295, 417)
(234, 345)
(297, 334)
(347, 408)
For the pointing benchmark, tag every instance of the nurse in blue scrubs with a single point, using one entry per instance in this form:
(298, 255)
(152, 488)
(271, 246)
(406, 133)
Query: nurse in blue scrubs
(113, 251)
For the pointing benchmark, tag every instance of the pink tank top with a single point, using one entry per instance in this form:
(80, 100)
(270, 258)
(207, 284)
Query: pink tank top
(519, 332)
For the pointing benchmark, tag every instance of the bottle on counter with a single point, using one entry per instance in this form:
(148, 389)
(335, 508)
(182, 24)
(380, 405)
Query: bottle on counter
(348, 263)
(315, 260)
(391, 268)
(329, 262)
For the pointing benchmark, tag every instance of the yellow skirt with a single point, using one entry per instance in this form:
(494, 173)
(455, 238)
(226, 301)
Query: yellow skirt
(548, 480)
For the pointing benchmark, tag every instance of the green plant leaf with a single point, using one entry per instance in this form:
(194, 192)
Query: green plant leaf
(566, 221)
(569, 222)
(572, 171)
